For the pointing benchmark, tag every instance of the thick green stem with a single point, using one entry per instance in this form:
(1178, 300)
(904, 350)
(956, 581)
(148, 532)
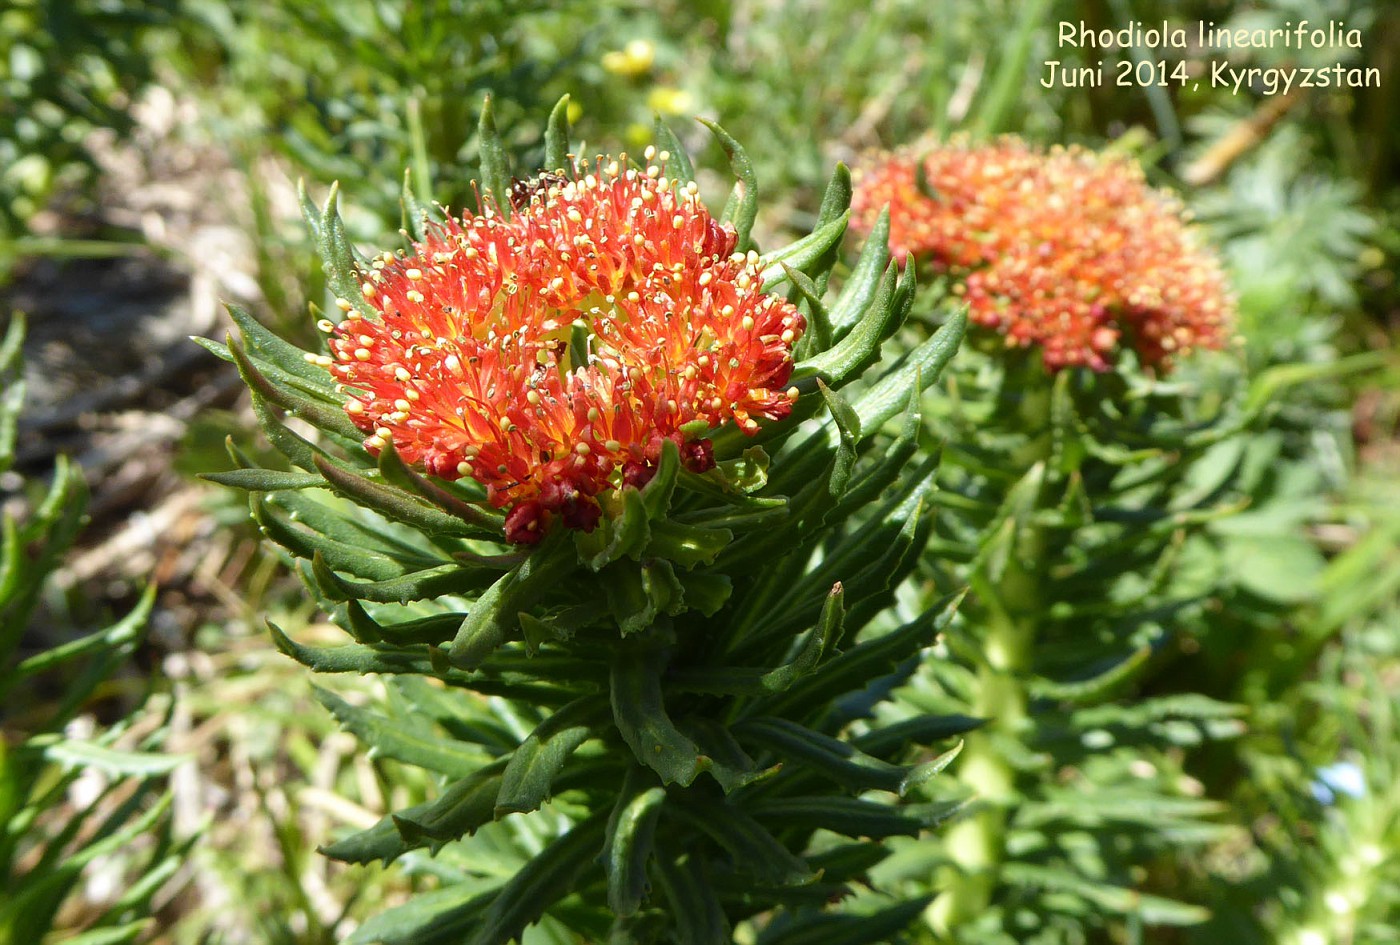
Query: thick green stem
(1010, 607)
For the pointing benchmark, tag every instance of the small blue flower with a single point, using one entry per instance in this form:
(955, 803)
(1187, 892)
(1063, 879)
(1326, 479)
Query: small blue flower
(1341, 778)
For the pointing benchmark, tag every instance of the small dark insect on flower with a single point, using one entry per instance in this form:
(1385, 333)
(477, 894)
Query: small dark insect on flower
(524, 191)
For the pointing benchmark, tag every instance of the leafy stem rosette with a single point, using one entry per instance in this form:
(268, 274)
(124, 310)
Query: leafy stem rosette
(579, 463)
(1093, 496)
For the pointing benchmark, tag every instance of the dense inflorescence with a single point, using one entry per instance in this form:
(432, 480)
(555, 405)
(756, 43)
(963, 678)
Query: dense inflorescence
(1067, 249)
(548, 354)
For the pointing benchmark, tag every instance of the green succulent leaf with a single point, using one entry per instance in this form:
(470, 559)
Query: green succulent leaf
(840, 761)
(918, 370)
(619, 536)
(264, 480)
(656, 494)
(742, 208)
(920, 730)
(388, 739)
(819, 641)
(1153, 910)
(338, 257)
(261, 344)
(752, 848)
(438, 917)
(494, 618)
(639, 710)
(845, 929)
(336, 555)
(418, 585)
(1098, 687)
(556, 137)
(631, 836)
(699, 916)
(746, 474)
(543, 881)
(865, 279)
(800, 254)
(495, 165)
(687, 545)
(705, 592)
(848, 428)
(465, 806)
(395, 473)
(323, 414)
(638, 595)
(678, 166)
(415, 212)
(396, 504)
(862, 663)
(539, 759)
(76, 754)
(851, 816)
(859, 348)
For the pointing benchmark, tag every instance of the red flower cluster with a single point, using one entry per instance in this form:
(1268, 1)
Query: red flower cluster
(469, 367)
(1069, 250)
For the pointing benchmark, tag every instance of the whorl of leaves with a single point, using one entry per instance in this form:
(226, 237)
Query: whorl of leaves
(670, 683)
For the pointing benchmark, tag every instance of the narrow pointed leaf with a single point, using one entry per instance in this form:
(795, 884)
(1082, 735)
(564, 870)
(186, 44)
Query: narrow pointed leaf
(819, 639)
(678, 163)
(639, 710)
(436, 917)
(262, 343)
(631, 837)
(539, 759)
(754, 851)
(395, 472)
(800, 254)
(415, 213)
(917, 371)
(396, 504)
(417, 585)
(556, 137)
(742, 208)
(494, 617)
(318, 413)
(860, 348)
(1097, 687)
(864, 662)
(343, 276)
(388, 739)
(495, 172)
(848, 428)
(462, 808)
(864, 282)
(840, 761)
(699, 917)
(542, 882)
(848, 816)
(264, 480)
(844, 928)
(678, 166)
